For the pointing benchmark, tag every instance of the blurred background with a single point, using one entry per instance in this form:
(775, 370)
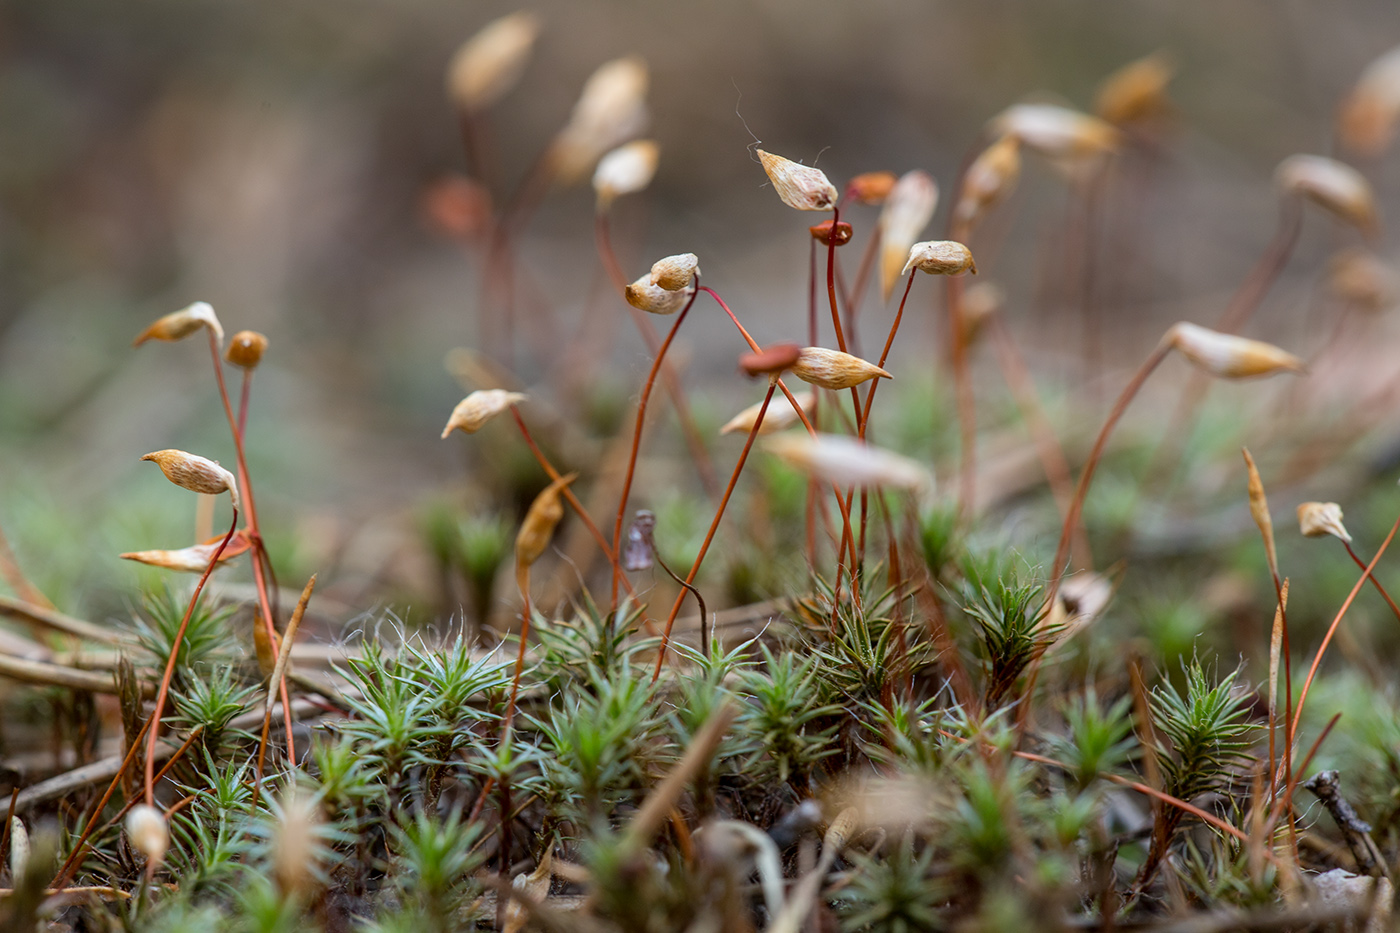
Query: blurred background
(272, 158)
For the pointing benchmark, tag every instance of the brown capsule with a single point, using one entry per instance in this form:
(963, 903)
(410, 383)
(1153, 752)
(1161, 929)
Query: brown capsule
(540, 521)
(262, 646)
(472, 412)
(675, 273)
(246, 349)
(1136, 92)
(771, 359)
(989, 179)
(1368, 116)
(458, 207)
(822, 233)
(1333, 186)
(1316, 519)
(871, 187)
(182, 323)
(490, 63)
(941, 257)
(195, 473)
(800, 187)
(1362, 279)
(907, 212)
(832, 369)
(1228, 356)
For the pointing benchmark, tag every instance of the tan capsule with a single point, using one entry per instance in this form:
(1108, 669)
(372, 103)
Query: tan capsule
(491, 62)
(182, 323)
(990, 178)
(192, 559)
(1368, 116)
(871, 187)
(626, 170)
(195, 473)
(295, 844)
(1362, 279)
(1333, 186)
(801, 187)
(262, 646)
(940, 257)
(246, 349)
(1228, 356)
(1316, 519)
(1056, 132)
(540, 521)
(906, 213)
(848, 462)
(675, 273)
(533, 887)
(832, 369)
(780, 415)
(148, 832)
(1259, 511)
(611, 109)
(480, 407)
(645, 296)
(1136, 92)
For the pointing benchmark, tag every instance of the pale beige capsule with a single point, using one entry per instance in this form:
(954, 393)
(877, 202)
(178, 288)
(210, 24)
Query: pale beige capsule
(480, 407)
(246, 349)
(1228, 356)
(1056, 132)
(148, 832)
(19, 850)
(800, 186)
(610, 110)
(990, 178)
(832, 369)
(940, 257)
(1137, 91)
(182, 323)
(1368, 116)
(296, 847)
(1333, 186)
(540, 521)
(491, 62)
(192, 559)
(195, 473)
(980, 302)
(626, 170)
(848, 462)
(534, 887)
(1316, 519)
(780, 415)
(908, 209)
(675, 273)
(1361, 278)
(646, 296)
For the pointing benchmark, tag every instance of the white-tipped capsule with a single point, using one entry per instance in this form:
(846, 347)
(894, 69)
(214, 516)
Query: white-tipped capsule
(1368, 116)
(1333, 186)
(148, 832)
(848, 462)
(801, 187)
(19, 850)
(780, 415)
(610, 110)
(1228, 356)
(832, 369)
(1056, 132)
(940, 257)
(195, 473)
(675, 273)
(990, 178)
(182, 323)
(490, 63)
(1316, 519)
(626, 170)
(908, 209)
(192, 559)
(480, 407)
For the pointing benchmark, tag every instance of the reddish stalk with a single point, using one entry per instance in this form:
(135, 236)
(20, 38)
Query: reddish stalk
(170, 664)
(835, 311)
(1362, 564)
(569, 496)
(699, 455)
(714, 526)
(1076, 505)
(966, 401)
(1332, 629)
(637, 439)
(813, 490)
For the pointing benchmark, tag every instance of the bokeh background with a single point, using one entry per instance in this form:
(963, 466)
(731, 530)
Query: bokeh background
(271, 158)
